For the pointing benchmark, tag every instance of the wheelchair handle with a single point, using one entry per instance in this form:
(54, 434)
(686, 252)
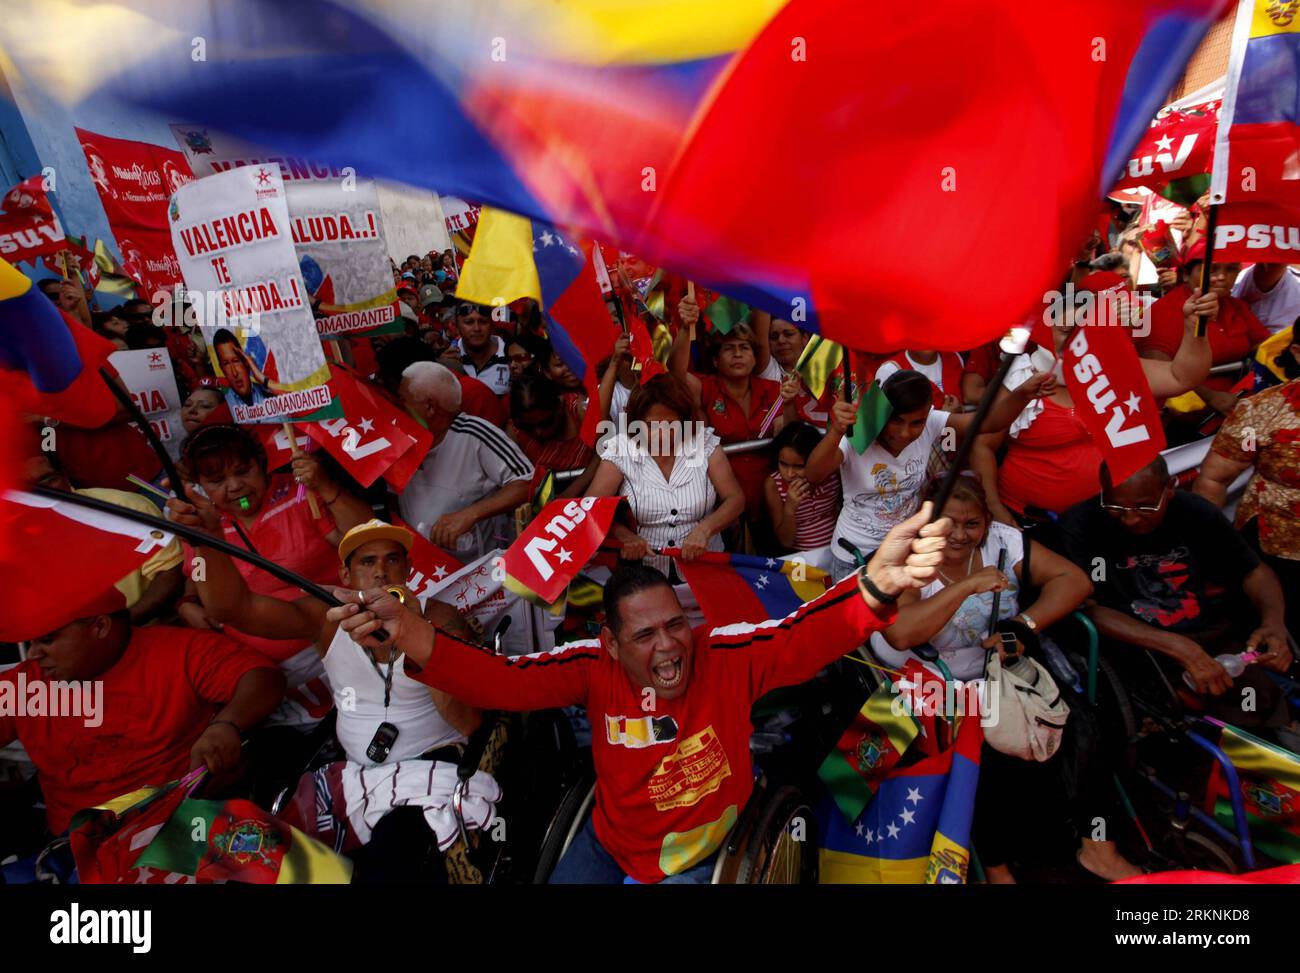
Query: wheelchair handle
(853, 552)
(474, 747)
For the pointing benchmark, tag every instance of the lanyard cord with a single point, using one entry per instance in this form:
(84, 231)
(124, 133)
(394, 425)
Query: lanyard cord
(385, 676)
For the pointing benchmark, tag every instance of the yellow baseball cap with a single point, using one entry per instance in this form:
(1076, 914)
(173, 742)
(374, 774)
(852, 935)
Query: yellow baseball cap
(374, 530)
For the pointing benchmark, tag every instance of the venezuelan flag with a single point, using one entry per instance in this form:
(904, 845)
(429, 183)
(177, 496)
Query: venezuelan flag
(745, 588)
(1270, 790)
(623, 119)
(52, 360)
(917, 828)
(874, 742)
(1259, 133)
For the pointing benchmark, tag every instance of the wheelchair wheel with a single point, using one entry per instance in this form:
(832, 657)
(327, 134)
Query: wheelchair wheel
(1205, 854)
(1118, 723)
(565, 823)
(781, 848)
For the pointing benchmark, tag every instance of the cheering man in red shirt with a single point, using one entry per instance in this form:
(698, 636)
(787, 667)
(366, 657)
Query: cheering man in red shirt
(670, 706)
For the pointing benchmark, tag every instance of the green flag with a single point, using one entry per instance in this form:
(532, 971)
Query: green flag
(725, 313)
(820, 362)
(873, 413)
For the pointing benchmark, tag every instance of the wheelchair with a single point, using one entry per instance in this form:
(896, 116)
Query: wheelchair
(532, 756)
(1168, 756)
(773, 842)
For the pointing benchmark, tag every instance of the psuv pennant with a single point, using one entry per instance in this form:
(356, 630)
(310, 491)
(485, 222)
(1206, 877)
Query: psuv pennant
(555, 546)
(1112, 398)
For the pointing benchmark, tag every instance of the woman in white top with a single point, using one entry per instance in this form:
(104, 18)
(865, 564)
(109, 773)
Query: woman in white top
(952, 615)
(677, 480)
(882, 484)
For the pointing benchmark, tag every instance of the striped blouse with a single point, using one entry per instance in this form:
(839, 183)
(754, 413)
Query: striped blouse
(814, 519)
(667, 510)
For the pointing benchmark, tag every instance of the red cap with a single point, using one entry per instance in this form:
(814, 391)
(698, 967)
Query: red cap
(1100, 281)
(1197, 252)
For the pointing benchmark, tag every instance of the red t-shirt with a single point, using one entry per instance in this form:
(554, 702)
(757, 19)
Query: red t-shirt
(1052, 465)
(949, 369)
(726, 416)
(104, 457)
(285, 533)
(983, 361)
(671, 782)
(157, 700)
(1233, 334)
(476, 399)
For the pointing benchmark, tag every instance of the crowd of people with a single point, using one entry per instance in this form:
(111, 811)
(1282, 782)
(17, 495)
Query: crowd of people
(748, 459)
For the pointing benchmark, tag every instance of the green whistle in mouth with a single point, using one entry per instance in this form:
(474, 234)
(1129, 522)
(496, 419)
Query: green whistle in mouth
(243, 503)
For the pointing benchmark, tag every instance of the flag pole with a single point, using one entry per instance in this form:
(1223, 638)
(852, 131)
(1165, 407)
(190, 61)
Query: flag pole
(296, 450)
(847, 364)
(977, 421)
(1211, 224)
(194, 536)
(129, 404)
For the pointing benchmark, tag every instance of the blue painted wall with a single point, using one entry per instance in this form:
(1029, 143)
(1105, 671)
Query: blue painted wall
(36, 131)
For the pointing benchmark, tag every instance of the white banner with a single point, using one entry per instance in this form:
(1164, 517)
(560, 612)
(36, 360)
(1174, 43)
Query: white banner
(414, 222)
(148, 376)
(338, 230)
(478, 591)
(232, 237)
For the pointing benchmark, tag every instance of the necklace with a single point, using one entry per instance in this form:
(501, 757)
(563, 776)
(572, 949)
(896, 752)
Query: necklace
(969, 562)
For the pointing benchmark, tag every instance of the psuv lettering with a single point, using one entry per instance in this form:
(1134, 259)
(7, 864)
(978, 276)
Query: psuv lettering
(1088, 372)
(1142, 166)
(559, 527)
(1259, 236)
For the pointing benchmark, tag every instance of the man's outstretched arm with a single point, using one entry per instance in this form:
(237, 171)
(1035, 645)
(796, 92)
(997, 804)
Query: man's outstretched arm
(792, 650)
(471, 674)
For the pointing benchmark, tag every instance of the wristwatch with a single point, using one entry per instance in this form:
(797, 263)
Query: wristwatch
(1029, 621)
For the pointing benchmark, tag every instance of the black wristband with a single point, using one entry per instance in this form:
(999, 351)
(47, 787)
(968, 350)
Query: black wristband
(866, 584)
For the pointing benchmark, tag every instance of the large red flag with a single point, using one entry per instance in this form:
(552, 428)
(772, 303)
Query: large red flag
(42, 585)
(135, 180)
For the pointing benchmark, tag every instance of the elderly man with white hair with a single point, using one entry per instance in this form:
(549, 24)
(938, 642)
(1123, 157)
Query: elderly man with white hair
(472, 476)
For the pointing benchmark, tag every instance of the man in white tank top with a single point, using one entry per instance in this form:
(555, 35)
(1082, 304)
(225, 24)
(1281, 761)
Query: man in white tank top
(383, 715)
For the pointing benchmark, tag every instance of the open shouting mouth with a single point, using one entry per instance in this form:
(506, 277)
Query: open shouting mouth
(668, 674)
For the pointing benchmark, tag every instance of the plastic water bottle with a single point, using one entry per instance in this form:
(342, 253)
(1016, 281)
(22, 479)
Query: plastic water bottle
(1019, 666)
(1234, 665)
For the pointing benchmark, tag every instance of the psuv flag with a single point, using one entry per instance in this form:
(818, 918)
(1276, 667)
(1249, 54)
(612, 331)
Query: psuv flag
(916, 829)
(624, 122)
(1255, 175)
(745, 588)
(50, 361)
(1113, 399)
(558, 542)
